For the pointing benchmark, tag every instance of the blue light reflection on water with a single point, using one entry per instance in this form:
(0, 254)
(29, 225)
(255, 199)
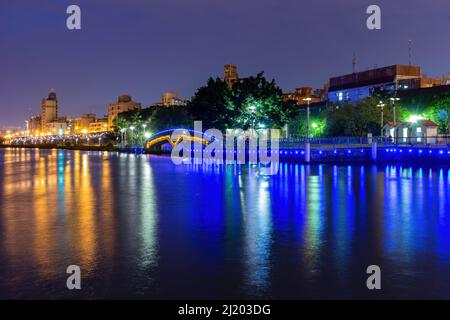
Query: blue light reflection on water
(141, 227)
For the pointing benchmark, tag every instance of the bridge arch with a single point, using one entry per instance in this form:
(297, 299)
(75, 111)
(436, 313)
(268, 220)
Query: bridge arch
(165, 136)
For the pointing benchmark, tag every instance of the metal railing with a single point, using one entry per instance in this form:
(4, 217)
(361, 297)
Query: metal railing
(336, 142)
(437, 141)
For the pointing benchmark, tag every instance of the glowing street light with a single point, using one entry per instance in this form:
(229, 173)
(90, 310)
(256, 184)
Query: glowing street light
(308, 100)
(414, 118)
(307, 144)
(381, 105)
(394, 99)
(132, 135)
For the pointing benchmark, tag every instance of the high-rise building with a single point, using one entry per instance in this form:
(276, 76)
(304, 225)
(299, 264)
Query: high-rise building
(49, 110)
(124, 103)
(230, 74)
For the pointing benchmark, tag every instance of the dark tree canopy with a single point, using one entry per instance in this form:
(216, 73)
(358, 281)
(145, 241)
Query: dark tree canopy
(259, 103)
(211, 105)
(252, 102)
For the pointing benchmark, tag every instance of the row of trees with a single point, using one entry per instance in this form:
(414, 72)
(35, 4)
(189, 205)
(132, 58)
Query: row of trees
(364, 117)
(252, 102)
(346, 120)
(255, 102)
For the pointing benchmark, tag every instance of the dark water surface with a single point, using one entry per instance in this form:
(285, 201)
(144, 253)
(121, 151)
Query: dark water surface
(141, 227)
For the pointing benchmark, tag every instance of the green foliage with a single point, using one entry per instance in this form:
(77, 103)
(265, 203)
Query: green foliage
(439, 112)
(156, 118)
(2, 140)
(211, 104)
(318, 123)
(252, 102)
(359, 119)
(259, 103)
(164, 118)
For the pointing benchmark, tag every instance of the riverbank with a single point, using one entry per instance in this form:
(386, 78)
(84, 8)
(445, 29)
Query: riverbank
(50, 146)
(339, 155)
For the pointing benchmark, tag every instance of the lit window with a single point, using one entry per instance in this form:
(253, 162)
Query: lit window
(392, 132)
(405, 134)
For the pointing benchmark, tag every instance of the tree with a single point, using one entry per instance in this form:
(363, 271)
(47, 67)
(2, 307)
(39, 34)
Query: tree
(211, 105)
(439, 112)
(172, 117)
(154, 118)
(318, 124)
(360, 119)
(258, 103)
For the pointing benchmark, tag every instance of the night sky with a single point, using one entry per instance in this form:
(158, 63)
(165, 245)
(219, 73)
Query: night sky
(146, 47)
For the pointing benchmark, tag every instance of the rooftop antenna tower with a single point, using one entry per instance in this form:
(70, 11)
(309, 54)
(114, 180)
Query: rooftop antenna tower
(410, 51)
(354, 63)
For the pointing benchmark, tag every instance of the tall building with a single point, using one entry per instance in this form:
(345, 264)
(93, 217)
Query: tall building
(230, 74)
(49, 110)
(124, 103)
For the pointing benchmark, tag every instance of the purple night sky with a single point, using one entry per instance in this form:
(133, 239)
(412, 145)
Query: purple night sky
(146, 47)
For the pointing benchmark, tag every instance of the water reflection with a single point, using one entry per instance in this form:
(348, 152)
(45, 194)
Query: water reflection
(139, 226)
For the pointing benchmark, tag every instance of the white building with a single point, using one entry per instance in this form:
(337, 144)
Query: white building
(420, 131)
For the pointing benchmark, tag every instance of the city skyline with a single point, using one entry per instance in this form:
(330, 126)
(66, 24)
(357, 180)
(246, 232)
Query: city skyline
(218, 158)
(155, 49)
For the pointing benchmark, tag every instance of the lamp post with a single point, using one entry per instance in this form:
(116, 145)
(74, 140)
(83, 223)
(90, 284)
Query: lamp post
(132, 135)
(123, 138)
(307, 144)
(394, 99)
(143, 132)
(381, 106)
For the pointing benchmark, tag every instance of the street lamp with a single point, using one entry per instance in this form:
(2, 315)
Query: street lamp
(394, 99)
(132, 135)
(123, 131)
(307, 144)
(308, 100)
(381, 106)
(143, 133)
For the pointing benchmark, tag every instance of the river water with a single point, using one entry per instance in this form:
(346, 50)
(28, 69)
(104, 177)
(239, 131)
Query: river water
(141, 227)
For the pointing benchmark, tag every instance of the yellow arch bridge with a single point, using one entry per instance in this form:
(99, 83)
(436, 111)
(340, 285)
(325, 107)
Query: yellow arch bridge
(165, 136)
